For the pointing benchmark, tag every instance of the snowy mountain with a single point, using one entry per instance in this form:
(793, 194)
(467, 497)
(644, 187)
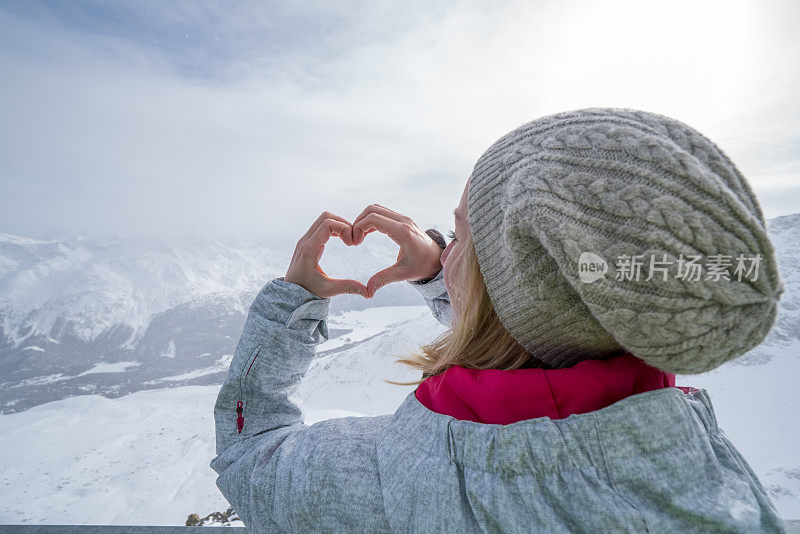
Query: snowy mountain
(120, 455)
(118, 315)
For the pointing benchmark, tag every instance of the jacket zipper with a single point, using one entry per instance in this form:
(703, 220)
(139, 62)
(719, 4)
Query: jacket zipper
(240, 403)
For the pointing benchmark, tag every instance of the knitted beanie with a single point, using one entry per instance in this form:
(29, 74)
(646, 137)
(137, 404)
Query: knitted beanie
(606, 229)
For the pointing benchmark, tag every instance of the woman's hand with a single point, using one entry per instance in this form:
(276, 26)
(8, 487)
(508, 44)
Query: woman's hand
(304, 269)
(419, 257)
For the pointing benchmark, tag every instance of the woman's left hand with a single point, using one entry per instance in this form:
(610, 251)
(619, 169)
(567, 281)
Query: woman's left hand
(304, 269)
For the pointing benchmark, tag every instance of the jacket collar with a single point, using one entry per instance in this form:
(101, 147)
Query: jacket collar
(503, 397)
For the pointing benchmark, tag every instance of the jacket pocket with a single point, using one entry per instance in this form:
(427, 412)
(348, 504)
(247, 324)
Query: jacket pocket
(240, 404)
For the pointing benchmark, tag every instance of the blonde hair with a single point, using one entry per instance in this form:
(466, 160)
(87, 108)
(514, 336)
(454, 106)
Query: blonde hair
(476, 339)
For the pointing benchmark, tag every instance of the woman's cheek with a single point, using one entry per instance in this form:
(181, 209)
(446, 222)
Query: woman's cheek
(446, 253)
(450, 274)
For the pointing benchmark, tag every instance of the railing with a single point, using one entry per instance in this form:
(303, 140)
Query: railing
(109, 529)
(792, 527)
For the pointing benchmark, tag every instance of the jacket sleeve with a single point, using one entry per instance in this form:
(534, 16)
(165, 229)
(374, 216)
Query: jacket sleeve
(268, 460)
(435, 294)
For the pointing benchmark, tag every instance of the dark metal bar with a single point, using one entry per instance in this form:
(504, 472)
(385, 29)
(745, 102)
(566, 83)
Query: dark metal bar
(109, 529)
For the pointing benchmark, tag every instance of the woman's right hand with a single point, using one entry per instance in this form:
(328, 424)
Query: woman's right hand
(419, 257)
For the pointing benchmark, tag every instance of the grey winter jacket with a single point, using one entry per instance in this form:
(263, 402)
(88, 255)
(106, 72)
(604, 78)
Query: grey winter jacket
(653, 462)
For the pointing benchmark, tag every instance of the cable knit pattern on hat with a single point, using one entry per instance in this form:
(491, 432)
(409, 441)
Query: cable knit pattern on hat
(620, 183)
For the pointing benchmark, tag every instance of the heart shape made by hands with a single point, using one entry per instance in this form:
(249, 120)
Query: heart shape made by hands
(359, 262)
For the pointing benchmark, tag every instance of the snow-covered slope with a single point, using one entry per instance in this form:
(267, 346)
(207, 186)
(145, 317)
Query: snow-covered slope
(143, 458)
(351, 376)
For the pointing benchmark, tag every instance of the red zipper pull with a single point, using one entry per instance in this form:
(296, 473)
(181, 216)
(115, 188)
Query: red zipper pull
(239, 417)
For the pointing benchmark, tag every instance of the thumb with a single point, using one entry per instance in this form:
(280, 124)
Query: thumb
(352, 287)
(395, 273)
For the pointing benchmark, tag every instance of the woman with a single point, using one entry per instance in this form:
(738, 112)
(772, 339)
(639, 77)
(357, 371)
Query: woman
(550, 403)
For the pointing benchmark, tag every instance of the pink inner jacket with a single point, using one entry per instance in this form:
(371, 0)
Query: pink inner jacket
(503, 397)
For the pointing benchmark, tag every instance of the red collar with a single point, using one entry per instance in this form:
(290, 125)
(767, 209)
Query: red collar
(502, 397)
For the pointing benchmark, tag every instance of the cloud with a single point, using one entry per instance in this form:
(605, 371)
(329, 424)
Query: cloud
(197, 118)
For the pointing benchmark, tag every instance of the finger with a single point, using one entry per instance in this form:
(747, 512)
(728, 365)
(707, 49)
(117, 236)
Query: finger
(340, 287)
(325, 230)
(397, 231)
(319, 221)
(382, 210)
(395, 273)
(358, 237)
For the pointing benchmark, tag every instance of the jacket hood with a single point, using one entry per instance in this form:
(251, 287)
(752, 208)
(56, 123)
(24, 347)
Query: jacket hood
(506, 396)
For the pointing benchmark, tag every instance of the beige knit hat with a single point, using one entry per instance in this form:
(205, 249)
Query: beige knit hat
(564, 208)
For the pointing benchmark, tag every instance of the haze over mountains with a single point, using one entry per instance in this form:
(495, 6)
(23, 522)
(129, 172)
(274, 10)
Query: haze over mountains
(114, 316)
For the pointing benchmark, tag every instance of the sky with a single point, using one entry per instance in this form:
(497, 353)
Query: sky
(248, 119)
